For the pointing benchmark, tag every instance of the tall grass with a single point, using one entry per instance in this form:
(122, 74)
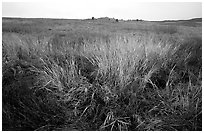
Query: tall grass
(109, 81)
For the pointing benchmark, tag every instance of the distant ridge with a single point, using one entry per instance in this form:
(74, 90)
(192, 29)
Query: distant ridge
(196, 20)
(188, 20)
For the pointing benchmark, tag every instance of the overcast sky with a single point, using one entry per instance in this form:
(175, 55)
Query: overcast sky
(82, 9)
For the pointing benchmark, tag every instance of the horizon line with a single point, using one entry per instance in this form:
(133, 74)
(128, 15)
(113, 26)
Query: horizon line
(96, 18)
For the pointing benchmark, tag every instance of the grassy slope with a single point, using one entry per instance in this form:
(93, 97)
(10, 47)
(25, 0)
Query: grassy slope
(94, 75)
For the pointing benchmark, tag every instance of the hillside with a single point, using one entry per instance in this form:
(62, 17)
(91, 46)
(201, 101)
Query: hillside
(101, 75)
(190, 22)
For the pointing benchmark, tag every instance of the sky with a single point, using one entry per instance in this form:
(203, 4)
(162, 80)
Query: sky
(83, 9)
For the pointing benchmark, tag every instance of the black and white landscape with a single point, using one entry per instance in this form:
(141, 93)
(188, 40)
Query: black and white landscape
(101, 74)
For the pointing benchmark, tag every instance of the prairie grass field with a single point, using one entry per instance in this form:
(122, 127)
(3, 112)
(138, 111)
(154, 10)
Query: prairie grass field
(101, 75)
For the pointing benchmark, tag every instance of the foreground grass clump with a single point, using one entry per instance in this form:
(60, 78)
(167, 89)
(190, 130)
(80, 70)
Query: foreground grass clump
(107, 81)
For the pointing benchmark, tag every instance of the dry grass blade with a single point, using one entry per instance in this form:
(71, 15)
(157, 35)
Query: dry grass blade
(44, 128)
(84, 111)
(125, 123)
(107, 125)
